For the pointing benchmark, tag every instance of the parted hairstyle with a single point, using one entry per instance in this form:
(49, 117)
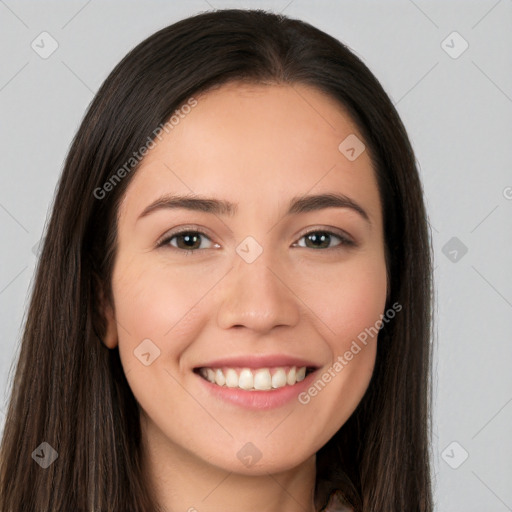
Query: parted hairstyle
(69, 389)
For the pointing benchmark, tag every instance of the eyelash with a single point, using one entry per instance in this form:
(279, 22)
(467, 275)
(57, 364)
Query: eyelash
(344, 241)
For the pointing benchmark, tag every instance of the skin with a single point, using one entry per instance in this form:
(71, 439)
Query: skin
(258, 146)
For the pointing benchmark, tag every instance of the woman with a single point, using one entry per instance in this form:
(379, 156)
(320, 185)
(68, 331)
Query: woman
(283, 362)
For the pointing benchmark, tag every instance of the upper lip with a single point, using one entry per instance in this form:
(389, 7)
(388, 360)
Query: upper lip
(259, 361)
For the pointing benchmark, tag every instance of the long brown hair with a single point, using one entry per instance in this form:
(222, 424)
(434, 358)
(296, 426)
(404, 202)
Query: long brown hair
(70, 391)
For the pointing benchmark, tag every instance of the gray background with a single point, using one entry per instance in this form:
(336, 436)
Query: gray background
(458, 112)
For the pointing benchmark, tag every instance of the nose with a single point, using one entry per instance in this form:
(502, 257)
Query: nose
(258, 295)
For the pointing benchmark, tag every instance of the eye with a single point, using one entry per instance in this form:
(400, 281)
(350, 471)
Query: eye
(321, 239)
(187, 240)
(191, 240)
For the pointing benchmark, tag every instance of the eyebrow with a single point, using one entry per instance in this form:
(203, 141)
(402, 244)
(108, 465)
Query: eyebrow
(298, 204)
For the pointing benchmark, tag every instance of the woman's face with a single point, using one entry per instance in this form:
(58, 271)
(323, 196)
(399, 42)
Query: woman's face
(245, 293)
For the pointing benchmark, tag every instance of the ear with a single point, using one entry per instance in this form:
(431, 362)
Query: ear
(104, 315)
(110, 338)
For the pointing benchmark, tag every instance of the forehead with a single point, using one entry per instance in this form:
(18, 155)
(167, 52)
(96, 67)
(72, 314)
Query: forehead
(250, 141)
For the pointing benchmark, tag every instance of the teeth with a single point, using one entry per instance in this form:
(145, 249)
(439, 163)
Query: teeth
(210, 374)
(262, 379)
(246, 379)
(301, 373)
(291, 378)
(231, 378)
(219, 378)
(279, 378)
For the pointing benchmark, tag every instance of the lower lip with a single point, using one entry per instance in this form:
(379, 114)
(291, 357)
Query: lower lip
(262, 400)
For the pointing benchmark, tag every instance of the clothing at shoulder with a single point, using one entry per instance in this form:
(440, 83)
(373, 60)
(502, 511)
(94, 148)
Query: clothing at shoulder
(337, 504)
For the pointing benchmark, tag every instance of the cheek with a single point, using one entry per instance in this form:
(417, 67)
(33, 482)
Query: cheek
(356, 305)
(350, 312)
(348, 300)
(156, 304)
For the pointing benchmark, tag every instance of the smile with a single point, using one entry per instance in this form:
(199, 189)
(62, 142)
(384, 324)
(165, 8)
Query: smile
(254, 379)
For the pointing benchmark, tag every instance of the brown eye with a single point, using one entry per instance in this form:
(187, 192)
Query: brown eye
(322, 239)
(188, 240)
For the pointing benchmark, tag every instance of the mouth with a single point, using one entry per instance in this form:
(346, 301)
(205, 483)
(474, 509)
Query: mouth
(255, 379)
